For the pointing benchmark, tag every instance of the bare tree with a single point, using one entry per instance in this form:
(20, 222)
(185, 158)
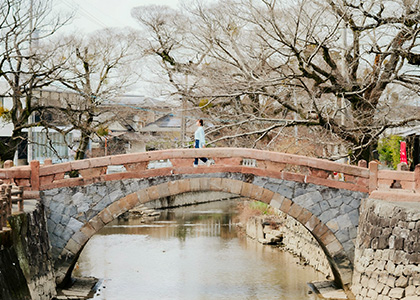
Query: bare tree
(345, 67)
(97, 68)
(23, 65)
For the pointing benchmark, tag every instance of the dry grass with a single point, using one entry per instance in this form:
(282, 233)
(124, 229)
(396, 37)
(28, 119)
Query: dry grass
(249, 209)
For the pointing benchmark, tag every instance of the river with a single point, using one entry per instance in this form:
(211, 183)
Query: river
(193, 252)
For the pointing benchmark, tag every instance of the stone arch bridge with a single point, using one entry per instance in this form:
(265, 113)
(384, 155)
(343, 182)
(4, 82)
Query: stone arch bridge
(307, 189)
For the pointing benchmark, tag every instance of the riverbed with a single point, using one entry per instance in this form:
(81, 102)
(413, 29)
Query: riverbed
(193, 252)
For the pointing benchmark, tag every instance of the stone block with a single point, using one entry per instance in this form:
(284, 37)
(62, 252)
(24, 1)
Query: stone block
(334, 248)
(391, 280)
(308, 199)
(397, 293)
(215, 184)
(105, 216)
(163, 190)
(96, 223)
(324, 205)
(153, 193)
(304, 216)
(195, 185)
(88, 230)
(416, 281)
(410, 291)
(256, 192)
(129, 201)
(205, 184)
(343, 235)
(260, 181)
(80, 238)
(327, 238)
(315, 209)
(55, 217)
(344, 221)
(320, 229)
(344, 209)
(143, 195)
(115, 210)
(380, 264)
(379, 287)
(364, 292)
(328, 215)
(74, 225)
(266, 196)
(333, 225)
(372, 294)
(295, 210)
(246, 189)
(173, 187)
(335, 202)
(312, 223)
(285, 206)
(285, 191)
(276, 201)
(116, 194)
(386, 290)
(354, 217)
(271, 186)
(72, 246)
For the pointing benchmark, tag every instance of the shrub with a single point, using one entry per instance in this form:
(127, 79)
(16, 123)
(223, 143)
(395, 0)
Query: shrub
(389, 150)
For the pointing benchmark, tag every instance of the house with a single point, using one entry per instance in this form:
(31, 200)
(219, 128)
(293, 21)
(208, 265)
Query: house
(122, 117)
(165, 132)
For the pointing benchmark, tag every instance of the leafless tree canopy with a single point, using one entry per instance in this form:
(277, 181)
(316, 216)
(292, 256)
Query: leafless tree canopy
(346, 70)
(97, 68)
(25, 60)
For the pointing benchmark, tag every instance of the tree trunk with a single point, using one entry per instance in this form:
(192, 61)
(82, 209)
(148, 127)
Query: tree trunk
(81, 150)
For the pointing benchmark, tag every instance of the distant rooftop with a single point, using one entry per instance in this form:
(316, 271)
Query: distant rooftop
(142, 100)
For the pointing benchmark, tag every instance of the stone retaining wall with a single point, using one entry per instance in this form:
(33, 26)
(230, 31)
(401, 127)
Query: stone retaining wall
(294, 237)
(387, 253)
(298, 240)
(26, 261)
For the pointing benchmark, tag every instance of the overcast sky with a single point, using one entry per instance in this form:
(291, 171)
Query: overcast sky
(96, 14)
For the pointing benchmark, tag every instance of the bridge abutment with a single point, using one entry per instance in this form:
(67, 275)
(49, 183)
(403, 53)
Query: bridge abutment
(388, 251)
(26, 267)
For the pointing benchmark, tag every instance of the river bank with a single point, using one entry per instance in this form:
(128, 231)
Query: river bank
(270, 226)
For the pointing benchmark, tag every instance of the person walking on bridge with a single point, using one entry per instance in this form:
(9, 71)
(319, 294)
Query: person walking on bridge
(200, 140)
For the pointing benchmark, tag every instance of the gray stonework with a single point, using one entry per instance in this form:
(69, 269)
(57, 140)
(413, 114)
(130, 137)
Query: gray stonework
(69, 208)
(25, 259)
(189, 198)
(387, 256)
(295, 238)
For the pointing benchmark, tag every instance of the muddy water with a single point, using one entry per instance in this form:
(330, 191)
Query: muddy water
(190, 253)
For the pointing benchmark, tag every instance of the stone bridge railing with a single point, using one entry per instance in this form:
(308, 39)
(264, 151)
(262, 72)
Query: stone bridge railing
(8, 195)
(381, 183)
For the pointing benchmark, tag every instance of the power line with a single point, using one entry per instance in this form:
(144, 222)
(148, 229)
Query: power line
(85, 13)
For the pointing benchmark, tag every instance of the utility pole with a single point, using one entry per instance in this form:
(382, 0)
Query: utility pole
(30, 133)
(295, 117)
(184, 107)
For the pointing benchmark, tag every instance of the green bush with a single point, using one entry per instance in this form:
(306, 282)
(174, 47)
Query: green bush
(389, 150)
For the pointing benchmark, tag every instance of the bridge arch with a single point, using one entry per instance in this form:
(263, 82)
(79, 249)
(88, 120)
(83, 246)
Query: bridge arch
(123, 196)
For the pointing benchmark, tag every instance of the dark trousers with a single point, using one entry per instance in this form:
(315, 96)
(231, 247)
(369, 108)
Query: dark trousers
(197, 145)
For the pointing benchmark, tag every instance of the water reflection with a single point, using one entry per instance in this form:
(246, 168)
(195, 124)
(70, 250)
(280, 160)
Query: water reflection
(190, 253)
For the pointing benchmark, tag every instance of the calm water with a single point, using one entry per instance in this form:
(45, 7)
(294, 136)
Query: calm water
(190, 253)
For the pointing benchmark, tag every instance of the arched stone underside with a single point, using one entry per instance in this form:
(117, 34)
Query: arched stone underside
(75, 214)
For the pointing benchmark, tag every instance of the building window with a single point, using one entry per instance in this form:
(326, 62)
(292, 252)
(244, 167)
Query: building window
(51, 145)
